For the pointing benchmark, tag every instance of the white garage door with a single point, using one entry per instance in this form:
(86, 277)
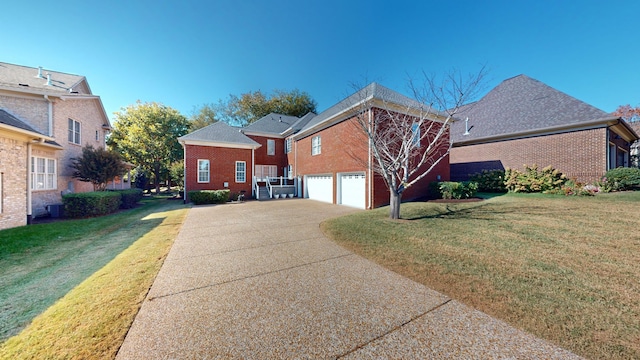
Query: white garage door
(319, 187)
(352, 190)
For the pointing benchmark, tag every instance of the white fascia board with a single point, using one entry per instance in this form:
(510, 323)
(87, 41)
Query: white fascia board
(538, 132)
(219, 144)
(31, 134)
(377, 103)
(263, 134)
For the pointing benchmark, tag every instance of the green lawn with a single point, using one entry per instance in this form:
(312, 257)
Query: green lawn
(564, 268)
(41, 263)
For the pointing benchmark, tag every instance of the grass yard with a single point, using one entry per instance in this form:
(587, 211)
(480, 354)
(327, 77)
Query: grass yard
(566, 269)
(77, 284)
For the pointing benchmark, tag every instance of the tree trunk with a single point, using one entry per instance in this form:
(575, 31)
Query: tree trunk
(394, 204)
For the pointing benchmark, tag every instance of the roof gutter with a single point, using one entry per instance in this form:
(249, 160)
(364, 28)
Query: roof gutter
(553, 129)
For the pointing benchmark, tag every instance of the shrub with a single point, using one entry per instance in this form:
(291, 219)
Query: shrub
(91, 203)
(202, 197)
(623, 178)
(533, 180)
(489, 181)
(457, 190)
(129, 197)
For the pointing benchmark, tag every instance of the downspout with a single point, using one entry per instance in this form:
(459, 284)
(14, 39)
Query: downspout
(370, 169)
(184, 172)
(253, 170)
(50, 112)
(29, 206)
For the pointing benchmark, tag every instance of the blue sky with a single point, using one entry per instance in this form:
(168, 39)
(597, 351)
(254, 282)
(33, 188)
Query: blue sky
(188, 53)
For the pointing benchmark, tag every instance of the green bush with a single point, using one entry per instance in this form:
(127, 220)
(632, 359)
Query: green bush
(91, 203)
(129, 197)
(620, 179)
(533, 180)
(489, 181)
(202, 197)
(457, 190)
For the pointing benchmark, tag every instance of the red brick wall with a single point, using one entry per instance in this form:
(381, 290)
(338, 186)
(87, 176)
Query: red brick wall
(222, 164)
(345, 149)
(279, 158)
(580, 155)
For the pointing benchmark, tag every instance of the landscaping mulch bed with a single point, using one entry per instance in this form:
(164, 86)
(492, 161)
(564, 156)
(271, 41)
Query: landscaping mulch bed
(475, 199)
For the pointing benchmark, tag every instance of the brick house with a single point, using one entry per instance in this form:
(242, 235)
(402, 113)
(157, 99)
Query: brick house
(46, 117)
(524, 121)
(325, 157)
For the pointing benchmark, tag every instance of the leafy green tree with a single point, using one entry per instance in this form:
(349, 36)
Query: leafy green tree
(203, 116)
(146, 134)
(249, 107)
(97, 166)
(177, 173)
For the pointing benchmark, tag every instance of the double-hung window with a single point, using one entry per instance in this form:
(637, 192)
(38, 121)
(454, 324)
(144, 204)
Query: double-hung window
(271, 147)
(287, 146)
(74, 131)
(316, 145)
(203, 171)
(43, 174)
(241, 171)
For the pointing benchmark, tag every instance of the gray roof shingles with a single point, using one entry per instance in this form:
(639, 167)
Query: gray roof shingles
(272, 123)
(521, 104)
(24, 77)
(373, 90)
(220, 132)
(8, 119)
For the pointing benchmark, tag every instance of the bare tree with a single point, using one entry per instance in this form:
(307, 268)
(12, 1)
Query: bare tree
(407, 137)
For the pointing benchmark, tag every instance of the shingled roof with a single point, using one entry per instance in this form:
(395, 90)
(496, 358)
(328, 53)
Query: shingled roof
(8, 119)
(271, 124)
(521, 105)
(220, 133)
(373, 91)
(24, 78)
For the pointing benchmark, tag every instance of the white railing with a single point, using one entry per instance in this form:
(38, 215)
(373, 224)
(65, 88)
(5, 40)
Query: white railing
(263, 172)
(269, 188)
(256, 187)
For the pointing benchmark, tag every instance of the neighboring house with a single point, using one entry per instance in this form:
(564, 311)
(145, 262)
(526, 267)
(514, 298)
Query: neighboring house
(46, 117)
(325, 157)
(522, 121)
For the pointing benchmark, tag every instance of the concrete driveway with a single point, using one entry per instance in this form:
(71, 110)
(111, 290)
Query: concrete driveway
(258, 280)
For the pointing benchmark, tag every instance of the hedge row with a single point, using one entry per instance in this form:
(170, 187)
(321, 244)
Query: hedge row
(99, 202)
(203, 197)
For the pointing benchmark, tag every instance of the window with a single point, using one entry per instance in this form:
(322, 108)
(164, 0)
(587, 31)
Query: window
(316, 145)
(271, 147)
(74, 132)
(203, 171)
(290, 171)
(415, 137)
(97, 136)
(287, 146)
(612, 156)
(43, 174)
(241, 171)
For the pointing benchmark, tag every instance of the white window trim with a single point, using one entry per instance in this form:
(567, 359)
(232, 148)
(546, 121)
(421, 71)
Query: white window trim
(75, 131)
(415, 134)
(244, 171)
(49, 178)
(316, 145)
(287, 145)
(272, 150)
(208, 171)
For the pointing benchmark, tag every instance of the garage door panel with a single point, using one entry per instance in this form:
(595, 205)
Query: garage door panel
(320, 187)
(352, 190)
